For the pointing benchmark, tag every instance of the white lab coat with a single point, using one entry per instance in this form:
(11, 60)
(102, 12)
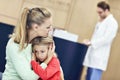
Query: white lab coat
(98, 53)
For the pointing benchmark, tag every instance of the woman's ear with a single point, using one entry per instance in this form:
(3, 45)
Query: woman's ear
(35, 27)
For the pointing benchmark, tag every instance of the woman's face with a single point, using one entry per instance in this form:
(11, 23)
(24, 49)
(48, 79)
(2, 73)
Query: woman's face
(44, 28)
(41, 52)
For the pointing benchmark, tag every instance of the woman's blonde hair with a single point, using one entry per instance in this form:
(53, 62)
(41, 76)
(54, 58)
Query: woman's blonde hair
(28, 17)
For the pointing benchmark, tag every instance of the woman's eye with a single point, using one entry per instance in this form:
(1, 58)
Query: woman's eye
(48, 27)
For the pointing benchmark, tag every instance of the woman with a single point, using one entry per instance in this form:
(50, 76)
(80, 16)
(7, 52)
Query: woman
(34, 22)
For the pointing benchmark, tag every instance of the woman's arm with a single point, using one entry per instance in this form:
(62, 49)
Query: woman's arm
(20, 62)
(62, 74)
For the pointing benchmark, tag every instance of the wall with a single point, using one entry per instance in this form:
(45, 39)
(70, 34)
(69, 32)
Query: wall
(9, 11)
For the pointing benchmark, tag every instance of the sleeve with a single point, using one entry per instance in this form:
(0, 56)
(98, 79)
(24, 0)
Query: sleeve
(20, 63)
(108, 36)
(52, 69)
(43, 65)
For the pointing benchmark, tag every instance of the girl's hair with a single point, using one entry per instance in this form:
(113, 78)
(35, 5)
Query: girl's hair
(42, 41)
(28, 17)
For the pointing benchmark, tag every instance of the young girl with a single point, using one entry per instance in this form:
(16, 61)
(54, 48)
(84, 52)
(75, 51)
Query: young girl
(40, 47)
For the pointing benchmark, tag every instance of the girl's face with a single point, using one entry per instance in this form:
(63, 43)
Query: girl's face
(44, 28)
(41, 52)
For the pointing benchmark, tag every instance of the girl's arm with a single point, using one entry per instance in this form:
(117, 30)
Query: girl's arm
(52, 69)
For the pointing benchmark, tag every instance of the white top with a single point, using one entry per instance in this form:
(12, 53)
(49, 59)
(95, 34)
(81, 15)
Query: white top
(98, 53)
(18, 65)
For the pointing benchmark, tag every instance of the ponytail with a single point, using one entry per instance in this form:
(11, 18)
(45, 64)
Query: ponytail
(21, 31)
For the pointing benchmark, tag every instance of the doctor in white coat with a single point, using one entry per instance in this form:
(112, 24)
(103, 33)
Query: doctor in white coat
(97, 56)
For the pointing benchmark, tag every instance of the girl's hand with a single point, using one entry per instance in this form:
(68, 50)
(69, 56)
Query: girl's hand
(50, 53)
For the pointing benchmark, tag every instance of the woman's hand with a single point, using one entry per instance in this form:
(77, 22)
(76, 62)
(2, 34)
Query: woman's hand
(50, 53)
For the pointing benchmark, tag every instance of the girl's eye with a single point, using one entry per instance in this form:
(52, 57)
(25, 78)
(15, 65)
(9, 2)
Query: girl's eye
(42, 51)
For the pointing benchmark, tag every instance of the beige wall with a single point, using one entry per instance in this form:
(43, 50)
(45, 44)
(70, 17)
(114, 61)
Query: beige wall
(9, 10)
(76, 16)
(83, 18)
